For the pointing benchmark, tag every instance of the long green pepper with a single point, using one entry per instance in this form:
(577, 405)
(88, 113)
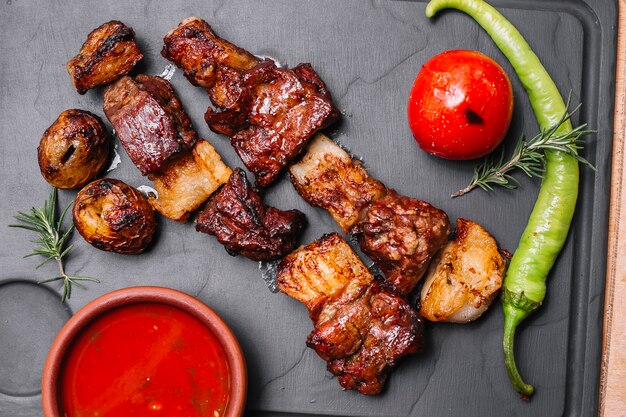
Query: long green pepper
(524, 286)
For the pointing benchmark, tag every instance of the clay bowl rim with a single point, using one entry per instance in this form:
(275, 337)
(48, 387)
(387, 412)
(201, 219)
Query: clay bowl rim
(145, 294)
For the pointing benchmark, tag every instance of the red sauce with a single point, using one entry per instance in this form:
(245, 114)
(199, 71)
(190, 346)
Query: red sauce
(145, 360)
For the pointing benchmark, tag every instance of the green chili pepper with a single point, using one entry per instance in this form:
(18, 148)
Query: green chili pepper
(524, 286)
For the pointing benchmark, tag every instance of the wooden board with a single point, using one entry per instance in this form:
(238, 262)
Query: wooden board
(613, 378)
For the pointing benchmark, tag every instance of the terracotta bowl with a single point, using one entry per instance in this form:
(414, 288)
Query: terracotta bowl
(55, 360)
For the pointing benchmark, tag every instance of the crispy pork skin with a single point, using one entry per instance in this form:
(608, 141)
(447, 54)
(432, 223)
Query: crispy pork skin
(149, 120)
(109, 53)
(321, 271)
(464, 277)
(245, 225)
(401, 234)
(360, 329)
(276, 113)
(328, 177)
(188, 180)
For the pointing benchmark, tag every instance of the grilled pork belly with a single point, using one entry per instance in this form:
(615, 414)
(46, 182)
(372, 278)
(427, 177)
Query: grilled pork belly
(360, 329)
(464, 277)
(269, 112)
(109, 53)
(245, 225)
(149, 120)
(328, 177)
(188, 180)
(401, 234)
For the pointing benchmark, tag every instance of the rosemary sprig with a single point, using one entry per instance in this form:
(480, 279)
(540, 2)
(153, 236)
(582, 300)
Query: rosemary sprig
(528, 157)
(51, 239)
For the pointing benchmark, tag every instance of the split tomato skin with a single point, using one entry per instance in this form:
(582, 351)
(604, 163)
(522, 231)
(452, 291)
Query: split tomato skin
(460, 106)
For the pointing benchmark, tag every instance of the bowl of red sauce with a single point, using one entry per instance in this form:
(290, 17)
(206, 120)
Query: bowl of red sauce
(145, 351)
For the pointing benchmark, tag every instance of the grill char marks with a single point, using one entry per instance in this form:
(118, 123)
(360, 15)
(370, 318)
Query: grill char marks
(269, 112)
(109, 52)
(245, 225)
(401, 234)
(361, 330)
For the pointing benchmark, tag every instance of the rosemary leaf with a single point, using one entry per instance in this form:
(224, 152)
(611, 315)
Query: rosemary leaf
(528, 156)
(52, 240)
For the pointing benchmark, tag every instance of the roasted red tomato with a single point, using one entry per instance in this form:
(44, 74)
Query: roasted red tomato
(460, 105)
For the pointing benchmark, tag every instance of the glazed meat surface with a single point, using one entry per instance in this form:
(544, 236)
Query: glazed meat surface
(363, 337)
(109, 52)
(188, 180)
(276, 113)
(269, 112)
(196, 48)
(149, 120)
(328, 177)
(360, 329)
(245, 225)
(401, 234)
(464, 277)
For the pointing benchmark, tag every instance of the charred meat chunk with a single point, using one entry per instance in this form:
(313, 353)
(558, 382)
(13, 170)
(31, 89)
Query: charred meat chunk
(277, 112)
(363, 337)
(321, 271)
(109, 53)
(401, 234)
(269, 112)
(245, 225)
(149, 120)
(73, 150)
(328, 177)
(197, 49)
(464, 277)
(188, 180)
(360, 330)
(114, 217)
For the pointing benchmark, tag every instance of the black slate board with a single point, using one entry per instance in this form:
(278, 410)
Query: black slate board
(368, 52)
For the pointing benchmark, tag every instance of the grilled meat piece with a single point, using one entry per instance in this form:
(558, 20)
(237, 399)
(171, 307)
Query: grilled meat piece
(149, 120)
(242, 222)
(194, 47)
(401, 235)
(360, 330)
(269, 112)
(188, 180)
(328, 177)
(363, 338)
(321, 272)
(464, 277)
(109, 52)
(277, 111)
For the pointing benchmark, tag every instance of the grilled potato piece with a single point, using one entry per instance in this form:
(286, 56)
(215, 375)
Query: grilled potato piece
(328, 177)
(464, 277)
(73, 150)
(185, 182)
(320, 271)
(109, 52)
(114, 217)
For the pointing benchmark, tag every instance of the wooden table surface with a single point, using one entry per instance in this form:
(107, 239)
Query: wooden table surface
(613, 378)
